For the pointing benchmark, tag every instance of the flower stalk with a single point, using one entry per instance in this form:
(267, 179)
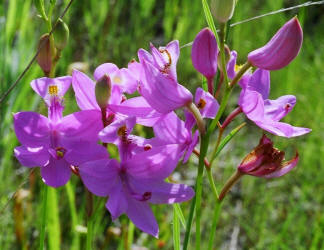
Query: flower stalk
(229, 184)
(196, 113)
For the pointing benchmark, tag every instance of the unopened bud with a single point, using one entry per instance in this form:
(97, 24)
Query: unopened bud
(227, 57)
(103, 91)
(44, 57)
(61, 34)
(222, 10)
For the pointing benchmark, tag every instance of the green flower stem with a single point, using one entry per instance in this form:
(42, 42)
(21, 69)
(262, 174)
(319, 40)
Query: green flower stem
(176, 230)
(203, 152)
(44, 216)
(212, 183)
(229, 184)
(89, 233)
(196, 113)
(189, 223)
(222, 35)
(216, 214)
(240, 73)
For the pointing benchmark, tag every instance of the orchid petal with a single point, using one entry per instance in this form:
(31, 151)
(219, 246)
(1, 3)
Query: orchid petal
(32, 157)
(210, 105)
(117, 203)
(260, 82)
(81, 126)
(84, 89)
(162, 92)
(56, 173)
(285, 168)
(275, 110)
(100, 176)
(107, 68)
(32, 129)
(157, 163)
(141, 215)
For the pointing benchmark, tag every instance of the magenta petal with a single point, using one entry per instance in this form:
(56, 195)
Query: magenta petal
(157, 163)
(288, 166)
(282, 129)
(56, 173)
(231, 65)
(171, 193)
(106, 68)
(32, 129)
(211, 106)
(81, 126)
(252, 105)
(277, 109)
(191, 147)
(32, 157)
(260, 82)
(81, 152)
(141, 215)
(84, 89)
(283, 47)
(162, 92)
(111, 134)
(117, 203)
(41, 85)
(138, 107)
(126, 80)
(100, 176)
(204, 53)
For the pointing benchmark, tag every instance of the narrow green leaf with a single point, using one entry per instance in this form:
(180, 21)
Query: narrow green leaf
(39, 4)
(209, 19)
(178, 210)
(226, 140)
(176, 230)
(44, 217)
(53, 222)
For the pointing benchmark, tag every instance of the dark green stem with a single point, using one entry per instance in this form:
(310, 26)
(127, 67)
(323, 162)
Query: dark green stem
(44, 216)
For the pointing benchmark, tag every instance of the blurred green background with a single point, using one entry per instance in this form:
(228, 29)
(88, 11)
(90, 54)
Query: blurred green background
(284, 213)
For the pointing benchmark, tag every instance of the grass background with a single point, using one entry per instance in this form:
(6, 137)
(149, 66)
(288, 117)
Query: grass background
(284, 213)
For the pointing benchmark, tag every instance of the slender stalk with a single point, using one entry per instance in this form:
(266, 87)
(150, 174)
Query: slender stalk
(130, 233)
(219, 85)
(176, 231)
(210, 82)
(240, 73)
(206, 162)
(89, 233)
(222, 37)
(196, 113)
(229, 184)
(203, 152)
(189, 223)
(216, 214)
(212, 183)
(44, 216)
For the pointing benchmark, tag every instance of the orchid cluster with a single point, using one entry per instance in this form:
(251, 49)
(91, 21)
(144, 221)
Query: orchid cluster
(77, 143)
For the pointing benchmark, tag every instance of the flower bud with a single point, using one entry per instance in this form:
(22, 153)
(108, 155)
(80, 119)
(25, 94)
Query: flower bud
(204, 53)
(266, 161)
(283, 47)
(103, 91)
(61, 34)
(222, 10)
(44, 57)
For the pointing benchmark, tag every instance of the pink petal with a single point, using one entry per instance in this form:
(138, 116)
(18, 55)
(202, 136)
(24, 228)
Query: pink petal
(41, 85)
(162, 92)
(252, 105)
(142, 216)
(117, 203)
(32, 157)
(81, 152)
(84, 89)
(283, 47)
(275, 110)
(32, 129)
(100, 176)
(80, 126)
(106, 68)
(157, 163)
(211, 105)
(260, 82)
(56, 173)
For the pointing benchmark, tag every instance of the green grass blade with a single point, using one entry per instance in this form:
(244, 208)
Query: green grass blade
(44, 217)
(209, 19)
(53, 222)
(176, 229)
(178, 211)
